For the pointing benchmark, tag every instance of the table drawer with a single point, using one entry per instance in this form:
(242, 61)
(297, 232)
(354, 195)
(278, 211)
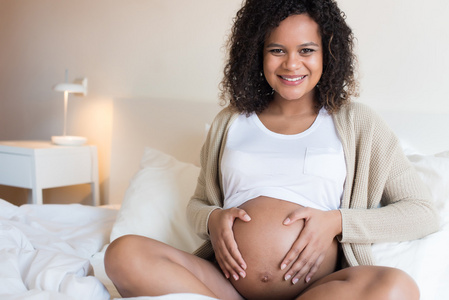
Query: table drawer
(16, 170)
(64, 169)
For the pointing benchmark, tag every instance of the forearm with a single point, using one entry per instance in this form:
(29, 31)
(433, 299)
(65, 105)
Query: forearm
(408, 214)
(198, 214)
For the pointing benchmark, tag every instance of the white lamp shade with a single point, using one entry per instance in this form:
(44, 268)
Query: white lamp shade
(68, 88)
(78, 88)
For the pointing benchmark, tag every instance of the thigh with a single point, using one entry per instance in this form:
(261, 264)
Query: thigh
(363, 282)
(160, 263)
(204, 270)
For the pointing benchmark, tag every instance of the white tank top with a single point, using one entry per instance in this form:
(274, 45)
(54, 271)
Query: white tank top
(306, 168)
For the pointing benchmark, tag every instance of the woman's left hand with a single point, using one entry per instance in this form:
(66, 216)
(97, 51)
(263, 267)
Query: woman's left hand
(309, 249)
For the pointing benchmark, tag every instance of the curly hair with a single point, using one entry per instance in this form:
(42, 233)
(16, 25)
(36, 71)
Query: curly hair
(244, 84)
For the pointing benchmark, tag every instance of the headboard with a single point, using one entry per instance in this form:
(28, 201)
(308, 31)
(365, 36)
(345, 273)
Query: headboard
(178, 128)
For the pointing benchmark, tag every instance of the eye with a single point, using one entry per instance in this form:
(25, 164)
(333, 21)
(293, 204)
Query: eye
(276, 51)
(307, 51)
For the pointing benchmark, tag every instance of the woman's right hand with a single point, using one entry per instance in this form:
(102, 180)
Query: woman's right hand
(225, 247)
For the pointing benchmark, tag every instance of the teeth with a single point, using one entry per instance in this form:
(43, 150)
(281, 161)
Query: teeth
(293, 79)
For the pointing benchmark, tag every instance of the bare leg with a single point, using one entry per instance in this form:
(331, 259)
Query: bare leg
(139, 266)
(364, 282)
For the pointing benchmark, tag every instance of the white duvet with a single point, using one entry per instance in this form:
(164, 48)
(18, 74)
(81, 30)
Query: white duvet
(45, 251)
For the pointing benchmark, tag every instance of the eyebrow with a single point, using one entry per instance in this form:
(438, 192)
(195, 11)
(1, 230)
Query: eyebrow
(302, 45)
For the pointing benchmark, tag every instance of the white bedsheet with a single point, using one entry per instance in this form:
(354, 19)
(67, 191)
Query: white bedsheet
(45, 251)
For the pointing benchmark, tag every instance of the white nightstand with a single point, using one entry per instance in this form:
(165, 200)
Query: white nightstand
(38, 165)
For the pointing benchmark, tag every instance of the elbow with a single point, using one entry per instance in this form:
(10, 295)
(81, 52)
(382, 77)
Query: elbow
(432, 219)
(436, 221)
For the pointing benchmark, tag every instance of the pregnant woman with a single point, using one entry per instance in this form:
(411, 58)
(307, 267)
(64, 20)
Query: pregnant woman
(296, 180)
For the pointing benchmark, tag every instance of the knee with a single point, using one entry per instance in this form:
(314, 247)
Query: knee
(123, 255)
(395, 284)
(117, 254)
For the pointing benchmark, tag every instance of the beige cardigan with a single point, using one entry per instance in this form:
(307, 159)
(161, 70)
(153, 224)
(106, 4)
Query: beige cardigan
(384, 199)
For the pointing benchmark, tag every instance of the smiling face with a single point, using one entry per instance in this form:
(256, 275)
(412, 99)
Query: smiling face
(293, 58)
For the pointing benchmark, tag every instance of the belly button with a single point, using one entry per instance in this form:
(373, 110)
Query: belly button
(265, 278)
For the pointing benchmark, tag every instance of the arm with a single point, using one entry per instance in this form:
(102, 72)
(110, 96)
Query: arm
(406, 212)
(384, 200)
(208, 195)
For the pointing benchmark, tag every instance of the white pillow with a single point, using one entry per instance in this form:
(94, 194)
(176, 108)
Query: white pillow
(425, 259)
(434, 171)
(155, 201)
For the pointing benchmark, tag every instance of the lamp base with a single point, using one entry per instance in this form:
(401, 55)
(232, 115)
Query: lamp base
(68, 140)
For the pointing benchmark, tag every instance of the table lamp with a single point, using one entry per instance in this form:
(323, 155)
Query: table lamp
(79, 87)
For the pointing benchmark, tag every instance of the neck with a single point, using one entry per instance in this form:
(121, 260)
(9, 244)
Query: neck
(280, 106)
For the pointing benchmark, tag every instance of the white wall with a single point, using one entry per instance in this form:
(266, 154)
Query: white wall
(174, 49)
(403, 48)
(135, 48)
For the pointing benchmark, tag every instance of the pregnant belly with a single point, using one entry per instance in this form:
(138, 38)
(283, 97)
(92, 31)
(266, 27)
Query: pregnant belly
(264, 242)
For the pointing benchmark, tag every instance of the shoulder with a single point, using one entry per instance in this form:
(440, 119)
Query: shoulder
(226, 113)
(217, 131)
(358, 122)
(224, 118)
(359, 115)
(354, 110)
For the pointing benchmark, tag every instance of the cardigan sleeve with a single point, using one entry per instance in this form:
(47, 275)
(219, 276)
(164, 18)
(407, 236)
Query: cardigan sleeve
(387, 199)
(199, 207)
(208, 195)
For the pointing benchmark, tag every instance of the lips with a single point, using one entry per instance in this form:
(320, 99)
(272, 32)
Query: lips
(292, 79)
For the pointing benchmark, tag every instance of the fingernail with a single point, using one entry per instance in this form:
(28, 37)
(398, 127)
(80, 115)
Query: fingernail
(286, 221)
(307, 279)
(243, 267)
(288, 276)
(294, 281)
(235, 277)
(283, 266)
(247, 218)
(242, 274)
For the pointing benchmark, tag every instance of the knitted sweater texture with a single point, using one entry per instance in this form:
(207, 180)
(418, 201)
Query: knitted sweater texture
(384, 199)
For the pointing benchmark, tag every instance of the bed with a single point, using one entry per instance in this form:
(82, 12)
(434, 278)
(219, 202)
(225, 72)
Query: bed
(56, 251)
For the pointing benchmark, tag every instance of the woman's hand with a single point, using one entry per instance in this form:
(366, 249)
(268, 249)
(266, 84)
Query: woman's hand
(223, 241)
(309, 249)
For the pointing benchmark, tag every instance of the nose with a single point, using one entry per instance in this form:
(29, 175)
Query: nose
(292, 62)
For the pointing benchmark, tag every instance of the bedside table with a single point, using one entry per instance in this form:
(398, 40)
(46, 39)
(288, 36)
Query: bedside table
(38, 165)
